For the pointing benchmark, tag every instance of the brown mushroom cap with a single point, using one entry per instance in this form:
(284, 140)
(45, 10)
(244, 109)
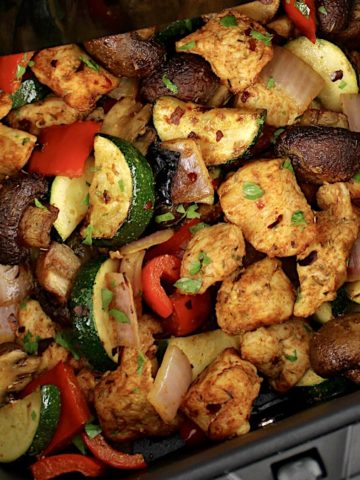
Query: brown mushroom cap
(321, 154)
(335, 348)
(337, 15)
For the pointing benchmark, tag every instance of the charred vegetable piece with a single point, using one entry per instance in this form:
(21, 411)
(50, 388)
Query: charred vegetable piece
(321, 154)
(188, 77)
(36, 224)
(178, 29)
(164, 163)
(350, 37)
(127, 55)
(16, 194)
(334, 348)
(333, 15)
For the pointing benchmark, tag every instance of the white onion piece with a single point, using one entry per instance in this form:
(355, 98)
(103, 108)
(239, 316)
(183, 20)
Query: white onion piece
(172, 381)
(294, 76)
(131, 267)
(8, 323)
(149, 241)
(124, 334)
(128, 87)
(15, 283)
(351, 108)
(353, 271)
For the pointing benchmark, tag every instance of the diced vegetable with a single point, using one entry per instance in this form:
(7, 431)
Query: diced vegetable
(51, 467)
(303, 14)
(12, 68)
(30, 91)
(36, 224)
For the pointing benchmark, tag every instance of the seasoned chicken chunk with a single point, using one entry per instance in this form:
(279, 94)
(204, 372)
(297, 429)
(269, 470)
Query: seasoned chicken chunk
(322, 267)
(16, 147)
(52, 356)
(263, 295)
(121, 396)
(32, 319)
(87, 382)
(264, 199)
(45, 113)
(73, 75)
(280, 352)
(230, 43)
(221, 398)
(212, 254)
(5, 104)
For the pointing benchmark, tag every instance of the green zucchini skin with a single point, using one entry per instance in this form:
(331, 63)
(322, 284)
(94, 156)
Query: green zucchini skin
(143, 196)
(178, 29)
(321, 392)
(49, 418)
(82, 315)
(30, 91)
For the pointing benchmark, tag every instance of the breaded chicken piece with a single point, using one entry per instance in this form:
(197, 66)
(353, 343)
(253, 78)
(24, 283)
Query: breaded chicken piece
(121, 396)
(221, 398)
(322, 267)
(16, 147)
(264, 199)
(263, 295)
(234, 51)
(45, 113)
(73, 75)
(280, 352)
(213, 254)
(52, 356)
(32, 319)
(87, 382)
(5, 104)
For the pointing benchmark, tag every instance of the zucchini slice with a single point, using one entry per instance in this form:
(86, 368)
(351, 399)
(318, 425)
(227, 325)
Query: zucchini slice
(121, 193)
(28, 425)
(331, 63)
(70, 196)
(312, 388)
(223, 134)
(30, 91)
(91, 322)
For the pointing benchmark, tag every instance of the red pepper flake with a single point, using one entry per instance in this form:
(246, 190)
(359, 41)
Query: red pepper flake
(148, 205)
(276, 223)
(176, 116)
(219, 135)
(193, 136)
(248, 31)
(192, 176)
(252, 44)
(260, 204)
(106, 196)
(337, 75)
(244, 96)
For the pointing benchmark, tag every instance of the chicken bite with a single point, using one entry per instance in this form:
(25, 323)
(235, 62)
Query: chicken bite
(322, 267)
(220, 400)
(264, 199)
(213, 254)
(73, 75)
(263, 295)
(16, 147)
(5, 104)
(280, 352)
(121, 396)
(236, 47)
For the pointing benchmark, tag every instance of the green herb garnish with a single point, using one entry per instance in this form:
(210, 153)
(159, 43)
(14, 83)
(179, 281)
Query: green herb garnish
(188, 46)
(121, 185)
(229, 21)
(31, 343)
(298, 218)
(181, 209)
(38, 204)
(89, 62)
(265, 38)
(191, 211)
(342, 85)
(276, 135)
(287, 165)
(356, 177)
(88, 235)
(140, 363)
(252, 191)
(196, 228)
(92, 430)
(86, 200)
(25, 141)
(33, 416)
(20, 70)
(165, 217)
(292, 358)
(119, 316)
(169, 84)
(270, 83)
(106, 298)
(188, 285)
(322, 10)
(78, 442)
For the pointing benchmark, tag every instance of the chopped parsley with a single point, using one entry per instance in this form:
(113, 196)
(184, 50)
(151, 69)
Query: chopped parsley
(121, 185)
(165, 217)
(188, 285)
(356, 177)
(89, 62)
(119, 315)
(88, 235)
(23, 303)
(202, 261)
(292, 358)
(78, 442)
(25, 141)
(106, 298)
(33, 416)
(169, 84)
(303, 8)
(20, 70)
(322, 10)
(191, 211)
(229, 21)
(65, 338)
(31, 63)
(188, 46)
(181, 209)
(298, 218)
(140, 363)
(196, 228)
(92, 430)
(265, 38)
(270, 83)
(38, 204)
(31, 343)
(342, 85)
(277, 134)
(86, 200)
(287, 165)
(252, 191)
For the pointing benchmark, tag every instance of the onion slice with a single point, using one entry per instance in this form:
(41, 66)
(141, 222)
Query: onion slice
(149, 241)
(294, 76)
(8, 323)
(351, 108)
(353, 271)
(15, 283)
(172, 381)
(122, 311)
(131, 267)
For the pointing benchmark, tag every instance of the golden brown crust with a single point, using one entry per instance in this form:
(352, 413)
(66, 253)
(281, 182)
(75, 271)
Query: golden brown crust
(16, 147)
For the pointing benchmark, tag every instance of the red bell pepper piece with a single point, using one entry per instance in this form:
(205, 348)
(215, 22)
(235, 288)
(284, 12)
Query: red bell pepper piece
(303, 14)
(74, 410)
(52, 467)
(65, 149)
(111, 457)
(189, 313)
(165, 267)
(12, 68)
(176, 245)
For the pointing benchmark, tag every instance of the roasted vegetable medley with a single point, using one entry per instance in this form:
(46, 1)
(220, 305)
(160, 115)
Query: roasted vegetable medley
(179, 221)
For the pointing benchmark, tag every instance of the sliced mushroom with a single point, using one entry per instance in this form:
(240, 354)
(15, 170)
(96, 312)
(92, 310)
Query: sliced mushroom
(16, 369)
(350, 36)
(321, 154)
(335, 348)
(16, 194)
(36, 224)
(333, 15)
